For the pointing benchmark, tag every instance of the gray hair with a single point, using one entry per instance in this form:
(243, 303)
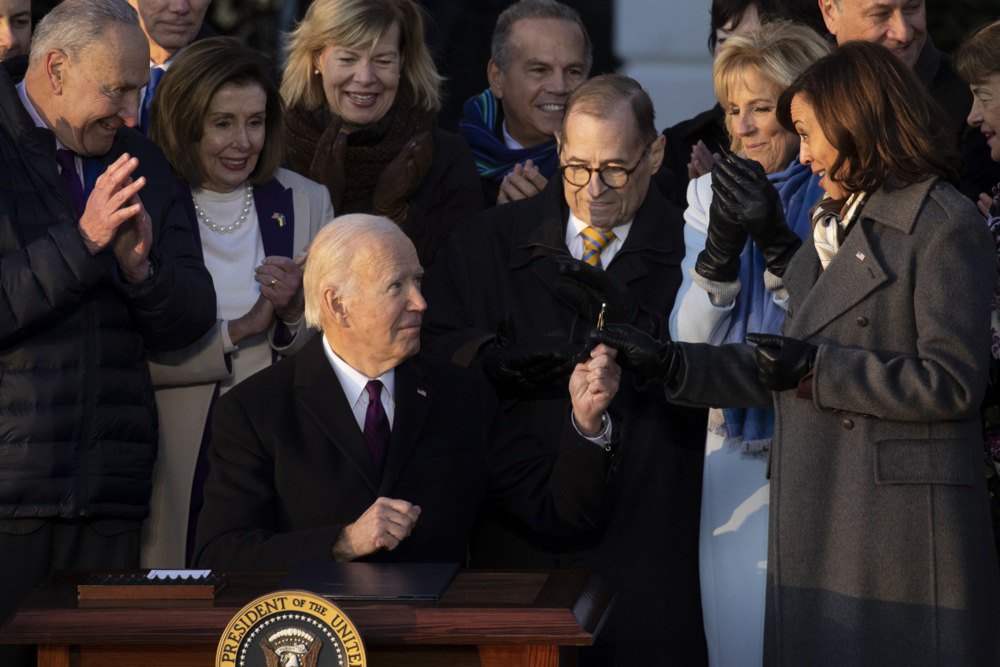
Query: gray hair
(74, 24)
(603, 95)
(500, 49)
(334, 255)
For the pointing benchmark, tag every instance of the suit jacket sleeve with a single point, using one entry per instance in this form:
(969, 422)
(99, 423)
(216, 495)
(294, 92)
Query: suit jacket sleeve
(238, 526)
(946, 378)
(560, 494)
(177, 305)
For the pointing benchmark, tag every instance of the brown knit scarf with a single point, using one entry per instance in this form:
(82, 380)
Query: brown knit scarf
(369, 149)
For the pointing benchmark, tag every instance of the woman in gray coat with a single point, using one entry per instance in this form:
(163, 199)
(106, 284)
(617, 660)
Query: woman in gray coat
(880, 549)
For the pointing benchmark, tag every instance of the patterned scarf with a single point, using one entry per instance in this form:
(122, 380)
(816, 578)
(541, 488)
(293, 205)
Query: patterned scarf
(755, 310)
(369, 149)
(480, 127)
(831, 220)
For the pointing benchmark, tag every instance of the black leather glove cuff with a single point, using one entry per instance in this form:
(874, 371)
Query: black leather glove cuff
(711, 266)
(778, 250)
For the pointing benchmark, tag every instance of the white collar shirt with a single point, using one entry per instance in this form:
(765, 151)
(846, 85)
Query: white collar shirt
(574, 239)
(353, 383)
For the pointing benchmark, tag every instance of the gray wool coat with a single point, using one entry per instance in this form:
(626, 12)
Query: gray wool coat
(880, 548)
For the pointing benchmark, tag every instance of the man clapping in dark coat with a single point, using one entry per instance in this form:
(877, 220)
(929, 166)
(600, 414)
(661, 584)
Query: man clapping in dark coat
(97, 263)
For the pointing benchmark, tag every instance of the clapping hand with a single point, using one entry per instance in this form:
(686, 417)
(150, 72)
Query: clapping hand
(328, 162)
(280, 281)
(743, 192)
(402, 176)
(523, 181)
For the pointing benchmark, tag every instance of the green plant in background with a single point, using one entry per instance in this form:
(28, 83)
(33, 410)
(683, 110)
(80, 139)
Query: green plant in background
(949, 21)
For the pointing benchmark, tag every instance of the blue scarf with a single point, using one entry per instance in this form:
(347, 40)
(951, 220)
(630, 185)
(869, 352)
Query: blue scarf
(480, 117)
(755, 310)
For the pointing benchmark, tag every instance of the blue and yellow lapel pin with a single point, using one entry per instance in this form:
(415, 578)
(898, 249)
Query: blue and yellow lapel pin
(280, 217)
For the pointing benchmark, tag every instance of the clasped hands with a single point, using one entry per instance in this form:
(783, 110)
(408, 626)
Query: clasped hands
(744, 204)
(280, 281)
(393, 187)
(114, 215)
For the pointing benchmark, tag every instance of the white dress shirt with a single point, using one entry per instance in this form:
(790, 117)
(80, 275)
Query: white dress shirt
(353, 383)
(574, 239)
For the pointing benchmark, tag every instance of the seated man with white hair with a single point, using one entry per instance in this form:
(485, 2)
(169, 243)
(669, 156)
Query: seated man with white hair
(359, 446)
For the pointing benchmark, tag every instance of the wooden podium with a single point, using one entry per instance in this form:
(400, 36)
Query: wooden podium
(484, 618)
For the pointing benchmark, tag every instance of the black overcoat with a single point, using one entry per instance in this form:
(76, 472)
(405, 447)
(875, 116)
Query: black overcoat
(499, 271)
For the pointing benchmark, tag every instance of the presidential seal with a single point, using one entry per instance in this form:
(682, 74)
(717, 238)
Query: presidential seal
(290, 629)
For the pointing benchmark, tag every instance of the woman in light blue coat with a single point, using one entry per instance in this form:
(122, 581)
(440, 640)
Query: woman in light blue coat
(728, 291)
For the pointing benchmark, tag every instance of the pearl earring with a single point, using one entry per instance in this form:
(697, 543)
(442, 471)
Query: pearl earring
(316, 72)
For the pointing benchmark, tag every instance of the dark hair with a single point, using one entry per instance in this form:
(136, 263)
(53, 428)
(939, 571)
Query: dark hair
(603, 95)
(797, 11)
(533, 9)
(182, 99)
(878, 115)
(978, 57)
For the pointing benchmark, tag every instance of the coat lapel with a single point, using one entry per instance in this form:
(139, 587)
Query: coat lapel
(413, 401)
(319, 393)
(276, 217)
(852, 275)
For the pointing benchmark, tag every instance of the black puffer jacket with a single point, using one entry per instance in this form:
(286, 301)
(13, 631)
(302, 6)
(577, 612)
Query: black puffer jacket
(77, 418)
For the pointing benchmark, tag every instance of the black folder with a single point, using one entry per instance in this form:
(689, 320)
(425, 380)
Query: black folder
(372, 581)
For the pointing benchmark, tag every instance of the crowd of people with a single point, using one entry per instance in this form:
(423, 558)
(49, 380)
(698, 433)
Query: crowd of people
(746, 368)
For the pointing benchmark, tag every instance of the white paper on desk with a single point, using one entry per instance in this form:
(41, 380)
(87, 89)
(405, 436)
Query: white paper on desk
(178, 574)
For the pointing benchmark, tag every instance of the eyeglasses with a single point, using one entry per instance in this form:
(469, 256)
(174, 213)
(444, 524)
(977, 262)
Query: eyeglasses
(613, 177)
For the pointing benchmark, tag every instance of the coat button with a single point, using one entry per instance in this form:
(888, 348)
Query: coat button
(847, 424)
(862, 321)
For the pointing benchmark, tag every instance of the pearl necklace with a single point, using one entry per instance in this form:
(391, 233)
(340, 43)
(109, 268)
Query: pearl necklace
(226, 229)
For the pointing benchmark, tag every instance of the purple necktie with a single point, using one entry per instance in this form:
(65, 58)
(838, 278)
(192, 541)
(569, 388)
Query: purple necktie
(376, 424)
(67, 169)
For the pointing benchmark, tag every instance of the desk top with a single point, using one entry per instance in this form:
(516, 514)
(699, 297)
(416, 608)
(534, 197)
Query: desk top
(563, 607)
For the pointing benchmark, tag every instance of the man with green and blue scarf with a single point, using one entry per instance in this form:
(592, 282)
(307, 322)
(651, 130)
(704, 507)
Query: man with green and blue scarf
(540, 53)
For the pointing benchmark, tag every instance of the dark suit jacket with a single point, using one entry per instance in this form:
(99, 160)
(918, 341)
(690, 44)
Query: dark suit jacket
(498, 270)
(289, 467)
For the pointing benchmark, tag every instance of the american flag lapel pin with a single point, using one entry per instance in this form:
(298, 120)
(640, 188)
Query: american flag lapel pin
(280, 217)
(422, 392)
(860, 256)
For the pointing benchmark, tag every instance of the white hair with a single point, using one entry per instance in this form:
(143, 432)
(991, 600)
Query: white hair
(333, 258)
(74, 24)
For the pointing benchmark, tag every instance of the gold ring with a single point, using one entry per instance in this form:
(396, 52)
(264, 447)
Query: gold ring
(274, 281)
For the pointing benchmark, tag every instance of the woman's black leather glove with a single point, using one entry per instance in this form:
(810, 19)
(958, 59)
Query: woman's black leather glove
(587, 287)
(744, 193)
(782, 362)
(720, 260)
(641, 354)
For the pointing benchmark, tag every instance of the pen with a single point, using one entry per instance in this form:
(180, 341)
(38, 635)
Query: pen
(600, 316)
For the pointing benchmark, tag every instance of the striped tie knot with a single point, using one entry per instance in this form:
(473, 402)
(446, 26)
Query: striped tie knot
(594, 243)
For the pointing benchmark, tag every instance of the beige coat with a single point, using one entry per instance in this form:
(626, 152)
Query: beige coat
(187, 380)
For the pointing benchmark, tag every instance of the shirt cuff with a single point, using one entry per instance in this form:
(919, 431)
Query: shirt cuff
(227, 342)
(602, 439)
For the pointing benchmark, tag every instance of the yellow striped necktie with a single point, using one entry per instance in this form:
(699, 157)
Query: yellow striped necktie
(594, 243)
